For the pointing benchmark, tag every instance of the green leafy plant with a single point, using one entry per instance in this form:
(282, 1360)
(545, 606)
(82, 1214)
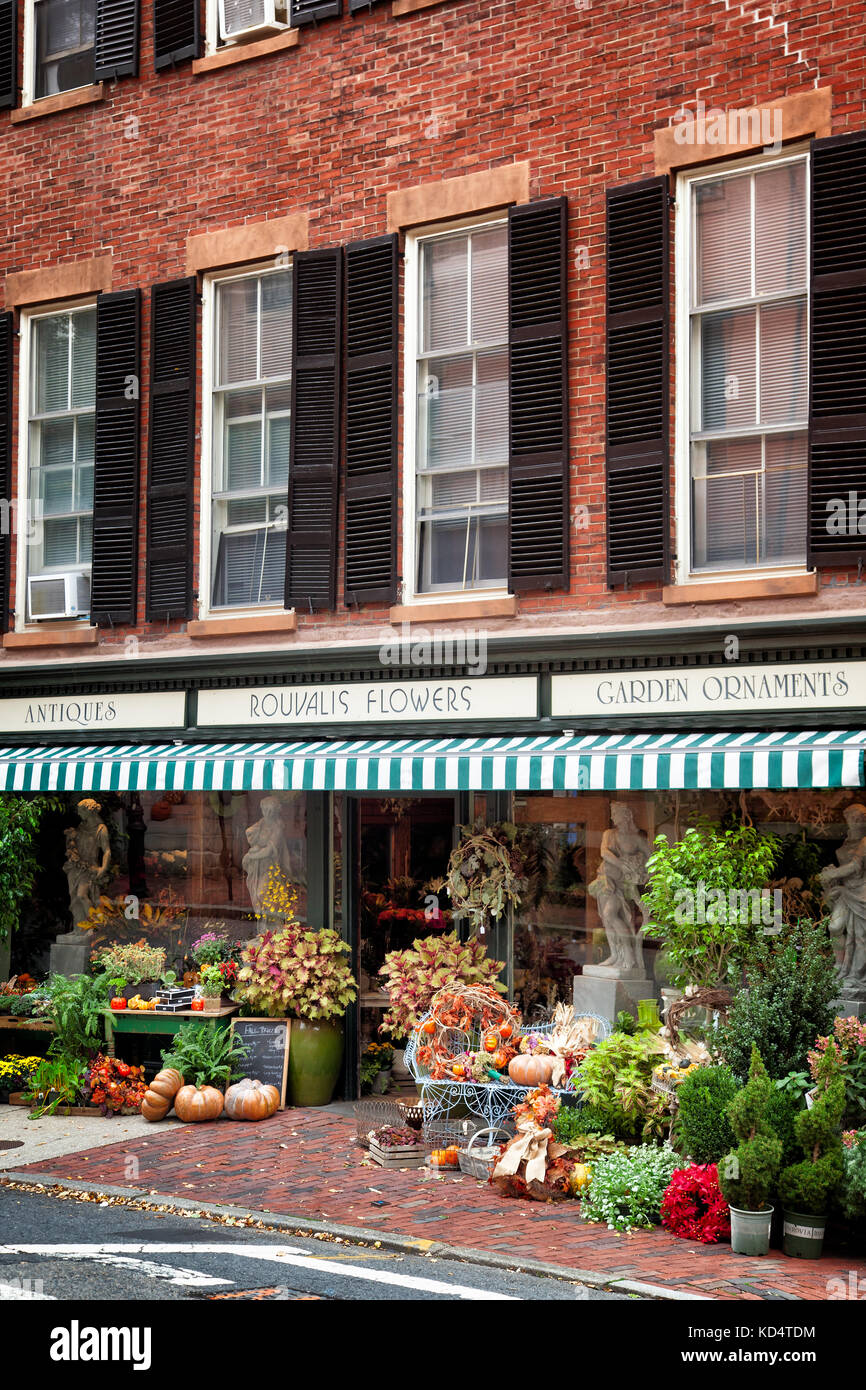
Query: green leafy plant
(783, 1108)
(211, 980)
(296, 972)
(627, 1188)
(212, 946)
(808, 1186)
(206, 1055)
(748, 1174)
(432, 963)
(584, 1119)
(56, 1082)
(75, 1004)
(23, 1005)
(849, 1038)
(853, 1193)
(569, 1128)
(792, 981)
(615, 1079)
(20, 819)
(699, 899)
(134, 962)
(702, 1128)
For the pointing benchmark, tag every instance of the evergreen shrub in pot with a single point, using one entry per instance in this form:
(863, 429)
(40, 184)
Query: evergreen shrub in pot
(806, 1188)
(748, 1174)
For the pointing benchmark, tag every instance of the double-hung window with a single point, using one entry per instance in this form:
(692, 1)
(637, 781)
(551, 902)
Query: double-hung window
(61, 411)
(460, 538)
(748, 353)
(61, 37)
(251, 405)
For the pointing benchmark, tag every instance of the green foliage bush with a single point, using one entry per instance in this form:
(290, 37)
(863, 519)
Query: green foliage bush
(782, 1111)
(575, 1121)
(20, 818)
(747, 1176)
(206, 1055)
(792, 979)
(626, 1189)
(614, 1081)
(75, 1004)
(854, 1181)
(702, 1128)
(808, 1186)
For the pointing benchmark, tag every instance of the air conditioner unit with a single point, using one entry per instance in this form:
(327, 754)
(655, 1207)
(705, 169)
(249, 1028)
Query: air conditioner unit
(241, 19)
(58, 596)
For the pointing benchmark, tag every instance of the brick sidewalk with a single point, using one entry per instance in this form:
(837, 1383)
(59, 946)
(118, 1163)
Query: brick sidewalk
(305, 1163)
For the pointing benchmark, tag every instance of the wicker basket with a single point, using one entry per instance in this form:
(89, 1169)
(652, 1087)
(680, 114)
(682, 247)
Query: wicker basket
(479, 1160)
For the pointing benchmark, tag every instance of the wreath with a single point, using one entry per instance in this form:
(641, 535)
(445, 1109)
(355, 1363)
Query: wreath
(486, 872)
(693, 1207)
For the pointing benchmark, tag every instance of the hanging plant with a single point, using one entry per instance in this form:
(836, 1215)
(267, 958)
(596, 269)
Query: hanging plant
(486, 872)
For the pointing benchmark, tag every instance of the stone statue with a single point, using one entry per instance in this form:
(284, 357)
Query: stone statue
(617, 890)
(87, 865)
(845, 895)
(268, 849)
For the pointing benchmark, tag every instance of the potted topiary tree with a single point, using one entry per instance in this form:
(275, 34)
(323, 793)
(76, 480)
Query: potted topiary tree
(806, 1188)
(748, 1174)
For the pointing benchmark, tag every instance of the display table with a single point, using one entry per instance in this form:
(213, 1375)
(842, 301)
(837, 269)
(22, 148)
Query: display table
(27, 1025)
(152, 1021)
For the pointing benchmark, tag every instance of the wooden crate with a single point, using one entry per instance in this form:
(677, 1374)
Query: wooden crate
(412, 1156)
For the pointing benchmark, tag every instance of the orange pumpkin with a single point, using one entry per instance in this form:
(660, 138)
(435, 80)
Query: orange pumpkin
(160, 1093)
(505, 1030)
(500, 1059)
(194, 1103)
(530, 1069)
(491, 1042)
(428, 1027)
(251, 1100)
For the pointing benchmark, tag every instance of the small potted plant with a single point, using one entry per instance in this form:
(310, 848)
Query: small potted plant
(748, 1174)
(376, 1068)
(141, 966)
(212, 988)
(806, 1188)
(211, 947)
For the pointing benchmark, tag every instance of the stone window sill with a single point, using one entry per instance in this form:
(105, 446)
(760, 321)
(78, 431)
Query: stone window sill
(245, 52)
(53, 637)
(64, 101)
(238, 627)
(725, 590)
(456, 610)
(410, 6)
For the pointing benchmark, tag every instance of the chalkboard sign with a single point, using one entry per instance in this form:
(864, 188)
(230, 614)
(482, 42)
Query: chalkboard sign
(267, 1041)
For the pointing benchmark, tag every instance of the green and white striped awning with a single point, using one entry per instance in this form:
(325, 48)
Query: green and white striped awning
(614, 762)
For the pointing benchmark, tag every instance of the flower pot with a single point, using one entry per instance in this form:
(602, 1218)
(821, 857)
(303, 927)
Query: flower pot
(381, 1082)
(399, 1070)
(750, 1231)
(315, 1054)
(212, 1006)
(803, 1235)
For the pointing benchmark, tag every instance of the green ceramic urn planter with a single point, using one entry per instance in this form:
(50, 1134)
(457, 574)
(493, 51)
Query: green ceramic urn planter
(315, 1054)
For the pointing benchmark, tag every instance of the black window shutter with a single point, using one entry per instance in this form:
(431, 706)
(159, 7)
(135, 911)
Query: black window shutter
(172, 450)
(311, 543)
(8, 54)
(837, 421)
(117, 33)
(637, 381)
(311, 11)
(176, 32)
(116, 459)
(7, 333)
(538, 510)
(371, 420)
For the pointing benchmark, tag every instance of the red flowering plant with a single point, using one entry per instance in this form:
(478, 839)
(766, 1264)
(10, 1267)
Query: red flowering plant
(113, 1085)
(693, 1207)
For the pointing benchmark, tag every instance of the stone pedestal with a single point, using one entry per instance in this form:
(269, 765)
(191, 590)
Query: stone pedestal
(608, 995)
(69, 957)
(847, 1008)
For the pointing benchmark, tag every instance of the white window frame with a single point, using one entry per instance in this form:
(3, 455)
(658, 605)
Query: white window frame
(684, 262)
(22, 526)
(28, 78)
(411, 323)
(210, 285)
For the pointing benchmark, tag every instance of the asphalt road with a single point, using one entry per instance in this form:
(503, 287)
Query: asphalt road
(52, 1248)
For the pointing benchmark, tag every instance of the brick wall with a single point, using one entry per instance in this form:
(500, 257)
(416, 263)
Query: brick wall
(366, 105)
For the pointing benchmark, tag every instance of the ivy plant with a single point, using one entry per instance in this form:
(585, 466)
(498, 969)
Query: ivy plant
(20, 819)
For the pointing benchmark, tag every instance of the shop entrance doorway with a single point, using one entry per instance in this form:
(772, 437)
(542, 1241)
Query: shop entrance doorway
(404, 843)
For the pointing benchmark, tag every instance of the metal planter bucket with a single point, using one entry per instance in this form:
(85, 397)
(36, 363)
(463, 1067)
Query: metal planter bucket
(750, 1231)
(803, 1235)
